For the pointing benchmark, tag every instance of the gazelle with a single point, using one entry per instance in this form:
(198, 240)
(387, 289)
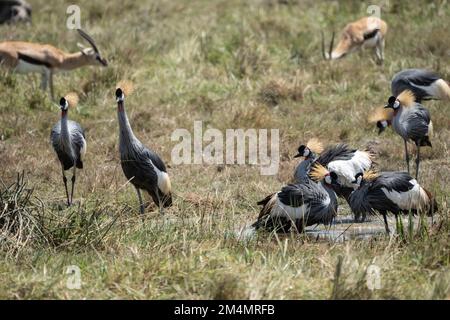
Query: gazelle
(367, 32)
(26, 57)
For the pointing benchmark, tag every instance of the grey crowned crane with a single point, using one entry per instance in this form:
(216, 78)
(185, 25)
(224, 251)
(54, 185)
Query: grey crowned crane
(412, 122)
(68, 140)
(424, 84)
(300, 205)
(310, 152)
(382, 117)
(390, 192)
(141, 166)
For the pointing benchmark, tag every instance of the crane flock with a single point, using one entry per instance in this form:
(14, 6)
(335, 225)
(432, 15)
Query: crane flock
(323, 175)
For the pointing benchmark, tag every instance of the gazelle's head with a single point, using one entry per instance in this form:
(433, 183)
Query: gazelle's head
(92, 53)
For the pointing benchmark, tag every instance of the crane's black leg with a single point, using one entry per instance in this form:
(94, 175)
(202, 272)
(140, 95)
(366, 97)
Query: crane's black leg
(386, 226)
(65, 186)
(417, 162)
(406, 155)
(73, 185)
(141, 204)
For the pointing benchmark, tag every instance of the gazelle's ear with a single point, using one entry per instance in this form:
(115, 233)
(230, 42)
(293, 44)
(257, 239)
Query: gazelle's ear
(79, 45)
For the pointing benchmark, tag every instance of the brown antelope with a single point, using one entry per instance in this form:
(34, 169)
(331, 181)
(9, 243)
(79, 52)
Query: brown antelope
(367, 32)
(26, 57)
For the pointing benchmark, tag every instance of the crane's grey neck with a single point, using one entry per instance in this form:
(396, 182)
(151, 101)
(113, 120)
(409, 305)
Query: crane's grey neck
(65, 134)
(127, 139)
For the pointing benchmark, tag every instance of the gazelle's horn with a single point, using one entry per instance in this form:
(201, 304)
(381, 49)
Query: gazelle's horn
(324, 55)
(331, 46)
(88, 39)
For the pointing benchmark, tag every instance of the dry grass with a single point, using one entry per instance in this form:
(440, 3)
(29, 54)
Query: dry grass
(232, 64)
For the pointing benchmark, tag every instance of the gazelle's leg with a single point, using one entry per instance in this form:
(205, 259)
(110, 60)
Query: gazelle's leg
(44, 80)
(52, 96)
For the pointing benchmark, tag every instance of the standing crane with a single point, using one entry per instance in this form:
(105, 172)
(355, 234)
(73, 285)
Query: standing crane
(300, 205)
(424, 84)
(411, 121)
(390, 192)
(310, 153)
(69, 142)
(26, 57)
(141, 166)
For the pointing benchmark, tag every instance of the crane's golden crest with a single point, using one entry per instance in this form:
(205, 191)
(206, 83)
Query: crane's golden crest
(380, 114)
(406, 98)
(318, 172)
(315, 145)
(126, 86)
(72, 98)
(370, 175)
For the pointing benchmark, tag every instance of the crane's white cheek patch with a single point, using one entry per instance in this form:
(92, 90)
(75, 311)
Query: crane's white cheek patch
(416, 198)
(164, 182)
(293, 213)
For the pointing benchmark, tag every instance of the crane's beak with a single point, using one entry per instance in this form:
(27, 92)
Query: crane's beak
(298, 155)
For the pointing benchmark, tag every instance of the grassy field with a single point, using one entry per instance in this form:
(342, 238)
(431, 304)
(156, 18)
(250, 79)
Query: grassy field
(231, 64)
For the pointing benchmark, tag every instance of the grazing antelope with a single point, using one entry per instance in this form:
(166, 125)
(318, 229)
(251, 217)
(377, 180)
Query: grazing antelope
(395, 192)
(142, 166)
(25, 57)
(412, 122)
(13, 11)
(300, 205)
(68, 140)
(310, 153)
(367, 32)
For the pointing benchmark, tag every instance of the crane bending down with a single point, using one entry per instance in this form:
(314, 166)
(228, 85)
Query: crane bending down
(300, 205)
(143, 167)
(411, 121)
(394, 192)
(68, 140)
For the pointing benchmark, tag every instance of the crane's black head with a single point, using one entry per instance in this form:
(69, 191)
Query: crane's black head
(392, 103)
(358, 179)
(382, 125)
(120, 97)
(64, 104)
(303, 151)
(332, 178)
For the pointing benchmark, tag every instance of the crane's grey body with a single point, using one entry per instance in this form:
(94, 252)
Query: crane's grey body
(419, 81)
(301, 205)
(391, 192)
(302, 170)
(143, 167)
(68, 140)
(413, 123)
